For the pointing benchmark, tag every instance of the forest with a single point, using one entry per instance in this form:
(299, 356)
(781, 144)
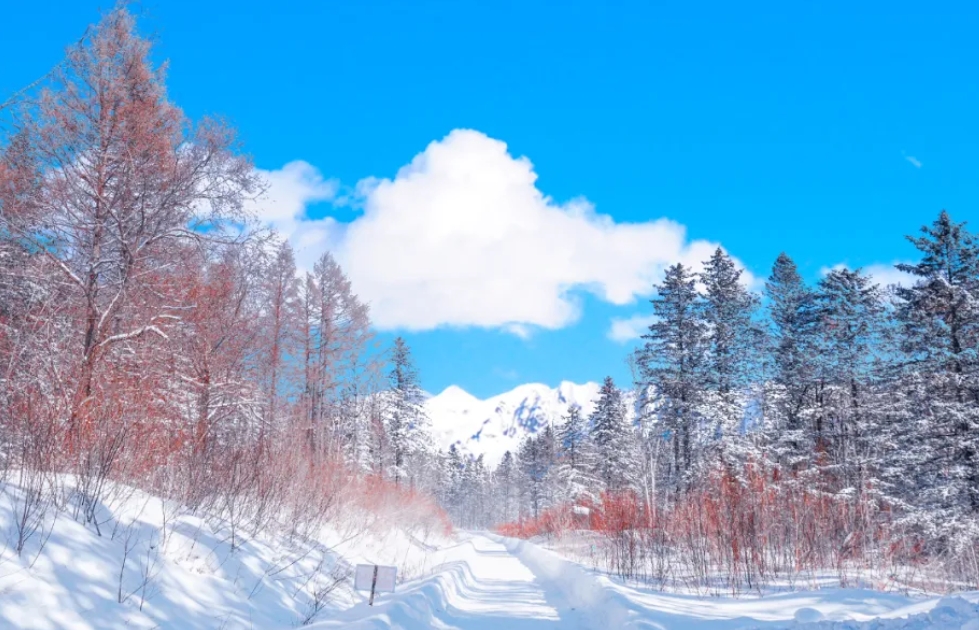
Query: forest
(154, 334)
(809, 428)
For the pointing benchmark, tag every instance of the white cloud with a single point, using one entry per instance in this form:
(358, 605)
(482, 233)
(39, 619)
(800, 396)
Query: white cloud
(623, 330)
(283, 206)
(882, 273)
(520, 330)
(886, 275)
(913, 161)
(462, 236)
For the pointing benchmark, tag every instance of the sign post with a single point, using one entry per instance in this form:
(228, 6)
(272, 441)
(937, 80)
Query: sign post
(370, 602)
(375, 578)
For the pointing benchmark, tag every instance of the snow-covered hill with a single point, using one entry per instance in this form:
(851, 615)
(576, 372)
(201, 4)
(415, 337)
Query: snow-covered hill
(495, 425)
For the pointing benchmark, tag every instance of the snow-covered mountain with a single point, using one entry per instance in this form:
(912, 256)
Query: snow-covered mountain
(495, 425)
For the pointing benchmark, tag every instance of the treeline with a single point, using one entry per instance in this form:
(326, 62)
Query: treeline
(833, 426)
(152, 334)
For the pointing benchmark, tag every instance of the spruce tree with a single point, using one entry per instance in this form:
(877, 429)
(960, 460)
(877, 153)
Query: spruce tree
(575, 456)
(615, 462)
(535, 459)
(939, 319)
(407, 422)
(851, 366)
(672, 365)
(453, 482)
(504, 478)
(732, 344)
(791, 309)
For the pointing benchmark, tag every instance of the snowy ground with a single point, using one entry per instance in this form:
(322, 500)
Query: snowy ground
(155, 565)
(491, 582)
(180, 572)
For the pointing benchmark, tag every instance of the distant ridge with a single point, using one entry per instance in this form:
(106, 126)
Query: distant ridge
(497, 424)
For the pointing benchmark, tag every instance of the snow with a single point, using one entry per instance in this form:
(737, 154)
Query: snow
(498, 424)
(473, 581)
(69, 577)
(492, 582)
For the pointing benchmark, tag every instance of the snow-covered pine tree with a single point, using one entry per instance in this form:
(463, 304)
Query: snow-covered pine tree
(473, 501)
(535, 460)
(939, 318)
(549, 453)
(672, 366)
(575, 457)
(615, 464)
(504, 478)
(851, 368)
(452, 482)
(733, 341)
(407, 422)
(791, 309)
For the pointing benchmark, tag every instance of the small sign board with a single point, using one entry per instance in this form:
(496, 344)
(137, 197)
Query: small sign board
(375, 578)
(386, 577)
(363, 577)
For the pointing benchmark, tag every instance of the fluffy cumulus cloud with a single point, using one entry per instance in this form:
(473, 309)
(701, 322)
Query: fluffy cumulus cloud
(289, 191)
(462, 236)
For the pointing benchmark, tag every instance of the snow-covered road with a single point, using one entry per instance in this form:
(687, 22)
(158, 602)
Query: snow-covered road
(484, 582)
(487, 582)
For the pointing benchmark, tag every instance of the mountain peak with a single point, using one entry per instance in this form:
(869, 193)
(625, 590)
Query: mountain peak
(500, 423)
(454, 392)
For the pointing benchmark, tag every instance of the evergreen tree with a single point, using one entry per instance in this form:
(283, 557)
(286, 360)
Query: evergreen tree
(453, 491)
(732, 342)
(939, 319)
(407, 422)
(851, 367)
(535, 460)
(791, 308)
(672, 365)
(615, 454)
(504, 478)
(575, 456)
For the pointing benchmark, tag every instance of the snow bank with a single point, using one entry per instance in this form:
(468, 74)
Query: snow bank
(949, 613)
(156, 565)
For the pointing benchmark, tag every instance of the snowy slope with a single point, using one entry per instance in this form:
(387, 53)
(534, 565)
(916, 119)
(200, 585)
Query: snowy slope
(158, 566)
(493, 426)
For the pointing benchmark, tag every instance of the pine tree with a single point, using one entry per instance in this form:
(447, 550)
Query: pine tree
(452, 480)
(504, 478)
(851, 367)
(791, 308)
(939, 319)
(615, 462)
(672, 365)
(732, 341)
(536, 461)
(407, 422)
(575, 456)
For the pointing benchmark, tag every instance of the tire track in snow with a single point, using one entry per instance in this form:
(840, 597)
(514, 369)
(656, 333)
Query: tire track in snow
(581, 601)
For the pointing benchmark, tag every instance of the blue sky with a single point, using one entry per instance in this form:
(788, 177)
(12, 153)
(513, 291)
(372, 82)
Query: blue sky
(828, 130)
